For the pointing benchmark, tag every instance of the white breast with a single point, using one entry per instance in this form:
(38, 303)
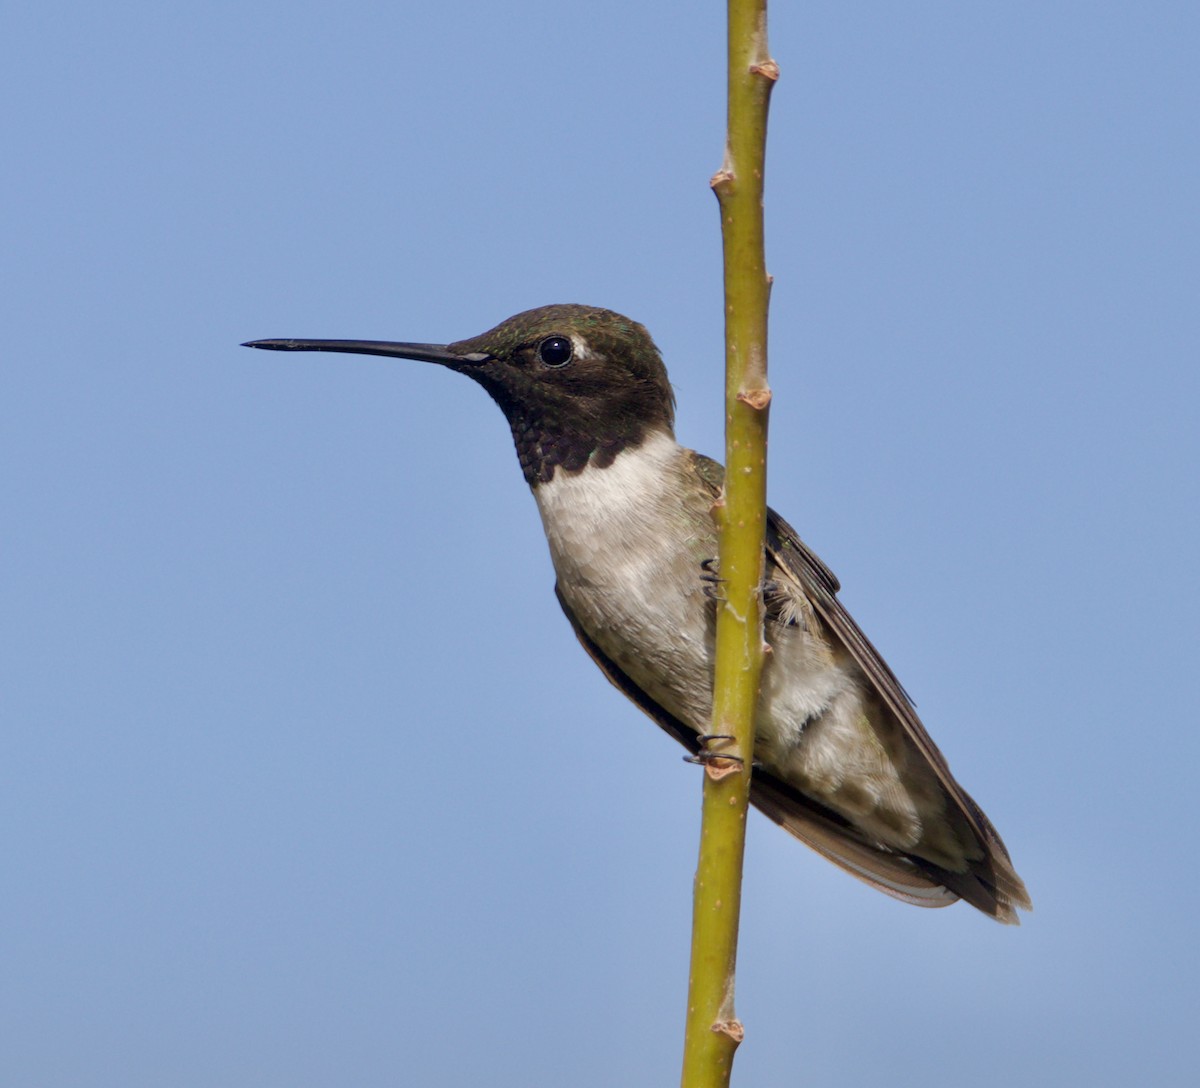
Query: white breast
(596, 519)
(620, 537)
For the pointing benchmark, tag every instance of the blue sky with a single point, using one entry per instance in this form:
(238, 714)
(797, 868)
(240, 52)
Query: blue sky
(305, 781)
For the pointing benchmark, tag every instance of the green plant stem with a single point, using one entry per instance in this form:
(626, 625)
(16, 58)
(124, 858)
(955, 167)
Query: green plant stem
(713, 1030)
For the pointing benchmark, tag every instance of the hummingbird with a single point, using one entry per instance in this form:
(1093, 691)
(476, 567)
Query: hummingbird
(841, 760)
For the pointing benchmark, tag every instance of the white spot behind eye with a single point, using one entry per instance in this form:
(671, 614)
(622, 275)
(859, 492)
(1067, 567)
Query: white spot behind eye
(582, 350)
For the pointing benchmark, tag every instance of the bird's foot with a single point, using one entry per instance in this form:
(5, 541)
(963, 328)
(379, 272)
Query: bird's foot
(712, 579)
(717, 765)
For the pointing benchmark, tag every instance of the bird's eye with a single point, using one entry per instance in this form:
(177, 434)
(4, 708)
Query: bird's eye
(555, 351)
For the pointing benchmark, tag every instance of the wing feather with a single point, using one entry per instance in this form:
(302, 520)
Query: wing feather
(817, 827)
(992, 884)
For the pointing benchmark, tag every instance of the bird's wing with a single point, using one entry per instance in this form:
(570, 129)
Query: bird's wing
(992, 883)
(817, 827)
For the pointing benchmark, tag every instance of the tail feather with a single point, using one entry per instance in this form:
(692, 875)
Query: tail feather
(990, 884)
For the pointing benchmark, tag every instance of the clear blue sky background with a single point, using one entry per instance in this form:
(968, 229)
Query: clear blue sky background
(305, 781)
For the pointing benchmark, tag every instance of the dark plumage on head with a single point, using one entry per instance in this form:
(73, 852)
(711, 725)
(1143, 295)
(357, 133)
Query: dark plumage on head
(577, 383)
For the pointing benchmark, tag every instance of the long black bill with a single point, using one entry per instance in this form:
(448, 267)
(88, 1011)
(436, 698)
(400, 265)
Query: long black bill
(424, 353)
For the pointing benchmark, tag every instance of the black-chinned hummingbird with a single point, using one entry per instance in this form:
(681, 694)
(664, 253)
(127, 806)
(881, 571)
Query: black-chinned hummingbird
(841, 759)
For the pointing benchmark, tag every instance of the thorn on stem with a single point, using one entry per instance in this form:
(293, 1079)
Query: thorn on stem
(722, 767)
(758, 399)
(732, 1028)
(722, 178)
